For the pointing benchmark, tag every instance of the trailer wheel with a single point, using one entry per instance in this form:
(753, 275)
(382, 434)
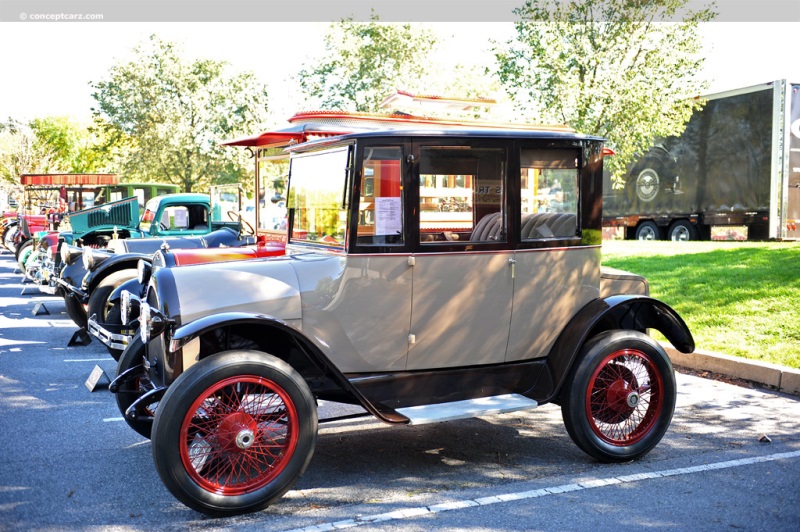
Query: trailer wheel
(620, 396)
(682, 231)
(234, 432)
(648, 231)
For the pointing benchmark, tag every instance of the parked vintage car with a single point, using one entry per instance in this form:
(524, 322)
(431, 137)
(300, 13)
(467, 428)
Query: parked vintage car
(416, 313)
(105, 320)
(107, 260)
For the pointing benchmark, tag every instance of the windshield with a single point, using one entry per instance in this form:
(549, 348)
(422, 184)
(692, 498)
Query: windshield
(316, 193)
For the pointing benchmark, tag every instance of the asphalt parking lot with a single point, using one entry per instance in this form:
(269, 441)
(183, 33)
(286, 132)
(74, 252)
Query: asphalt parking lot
(731, 459)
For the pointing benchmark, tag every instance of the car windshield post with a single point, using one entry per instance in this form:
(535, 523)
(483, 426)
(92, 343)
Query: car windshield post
(317, 195)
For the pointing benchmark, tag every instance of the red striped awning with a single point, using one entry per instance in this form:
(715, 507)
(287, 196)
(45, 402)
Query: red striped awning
(69, 179)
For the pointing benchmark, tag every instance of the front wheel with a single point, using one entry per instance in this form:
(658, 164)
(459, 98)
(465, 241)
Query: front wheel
(133, 355)
(620, 396)
(102, 309)
(234, 432)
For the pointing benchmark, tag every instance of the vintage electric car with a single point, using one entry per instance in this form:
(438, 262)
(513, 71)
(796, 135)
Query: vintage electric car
(390, 298)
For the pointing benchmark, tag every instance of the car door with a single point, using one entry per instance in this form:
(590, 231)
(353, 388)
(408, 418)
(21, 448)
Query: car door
(462, 265)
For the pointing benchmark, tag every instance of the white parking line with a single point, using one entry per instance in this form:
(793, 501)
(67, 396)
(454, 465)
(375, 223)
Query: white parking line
(86, 359)
(407, 513)
(113, 419)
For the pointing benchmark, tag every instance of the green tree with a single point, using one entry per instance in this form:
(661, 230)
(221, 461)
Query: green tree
(76, 148)
(20, 153)
(364, 62)
(625, 70)
(166, 116)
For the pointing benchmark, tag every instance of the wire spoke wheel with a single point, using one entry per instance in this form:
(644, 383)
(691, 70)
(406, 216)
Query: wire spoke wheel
(234, 432)
(238, 435)
(619, 397)
(624, 398)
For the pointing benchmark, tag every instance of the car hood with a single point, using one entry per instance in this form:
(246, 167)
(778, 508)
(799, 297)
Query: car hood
(122, 214)
(260, 286)
(225, 237)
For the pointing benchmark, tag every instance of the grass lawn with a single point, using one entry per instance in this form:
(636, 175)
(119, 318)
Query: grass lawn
(739, 298)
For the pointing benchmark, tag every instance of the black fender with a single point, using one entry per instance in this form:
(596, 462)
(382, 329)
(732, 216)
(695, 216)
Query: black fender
(629, 312)
(71, 278)
(113, 264)
(197, 328)
(133, 286)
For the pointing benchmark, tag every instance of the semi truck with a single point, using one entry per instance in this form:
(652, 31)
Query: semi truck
(736, 164)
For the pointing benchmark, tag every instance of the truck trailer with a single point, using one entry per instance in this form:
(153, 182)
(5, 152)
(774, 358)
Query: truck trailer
(736, 164)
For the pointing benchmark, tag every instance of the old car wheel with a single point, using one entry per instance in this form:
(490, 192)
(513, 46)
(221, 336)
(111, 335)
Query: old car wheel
(100, 307)
(133, 355)
(23, 254)
(648, 231)
(76, 311)
(620, 396)
(682, 231)
(234, 432)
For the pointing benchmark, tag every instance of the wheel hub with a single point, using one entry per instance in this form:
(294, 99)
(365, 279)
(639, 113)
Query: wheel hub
(633, 399)
(237, 432)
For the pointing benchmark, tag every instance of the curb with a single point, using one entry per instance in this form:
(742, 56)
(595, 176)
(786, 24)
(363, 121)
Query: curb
(781, 378)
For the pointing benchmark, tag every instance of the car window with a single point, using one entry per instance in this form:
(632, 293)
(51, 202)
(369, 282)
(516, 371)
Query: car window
(548, 194)
(380, 207)
(317, 195)
(461, 194)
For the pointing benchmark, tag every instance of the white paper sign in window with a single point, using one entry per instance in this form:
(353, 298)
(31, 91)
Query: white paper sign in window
(388, 216)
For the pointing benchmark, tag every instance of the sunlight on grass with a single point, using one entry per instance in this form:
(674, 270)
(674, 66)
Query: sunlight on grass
(739, 298)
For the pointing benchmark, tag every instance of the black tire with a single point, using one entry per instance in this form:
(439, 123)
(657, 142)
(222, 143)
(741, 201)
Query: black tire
(619, 397)
(22, 254)
(184, 442)
(648, 231)
(683, 231)
(100, 307)
(76, 311)
(133, 355)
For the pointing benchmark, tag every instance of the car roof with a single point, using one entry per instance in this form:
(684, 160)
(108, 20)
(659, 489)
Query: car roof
(192, 197)
(476, 133)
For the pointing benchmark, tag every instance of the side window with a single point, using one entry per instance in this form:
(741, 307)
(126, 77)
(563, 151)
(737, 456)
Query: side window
(175, 218)
(461, 194)
(549, 194)
(380, 207)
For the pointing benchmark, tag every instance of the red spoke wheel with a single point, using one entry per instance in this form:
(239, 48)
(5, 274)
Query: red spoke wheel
(619, 397)
(234, 432)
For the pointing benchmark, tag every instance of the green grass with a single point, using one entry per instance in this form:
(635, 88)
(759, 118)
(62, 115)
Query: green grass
(739, 298)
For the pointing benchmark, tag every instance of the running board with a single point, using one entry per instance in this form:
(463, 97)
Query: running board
(483, 406)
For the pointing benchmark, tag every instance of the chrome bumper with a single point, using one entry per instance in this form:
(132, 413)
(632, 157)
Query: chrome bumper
(114, 340)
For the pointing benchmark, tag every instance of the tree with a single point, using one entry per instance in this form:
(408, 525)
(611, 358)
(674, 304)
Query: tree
(364, 62)
(20, 153)
(76, 148)
(167, 116)
(614, 68)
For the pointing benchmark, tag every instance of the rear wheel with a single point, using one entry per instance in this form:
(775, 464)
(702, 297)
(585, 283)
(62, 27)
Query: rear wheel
(102, 309)
(648, 231)
(682, 231)
(234, 432)
(620, 396)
